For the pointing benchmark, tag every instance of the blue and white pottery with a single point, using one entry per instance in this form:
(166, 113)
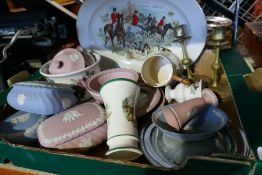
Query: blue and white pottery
(21, 127)
(169, 152)
(204, 124)
(41, 98)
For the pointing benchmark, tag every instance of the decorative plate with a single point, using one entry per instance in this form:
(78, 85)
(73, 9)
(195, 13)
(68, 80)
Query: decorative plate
(143, 29)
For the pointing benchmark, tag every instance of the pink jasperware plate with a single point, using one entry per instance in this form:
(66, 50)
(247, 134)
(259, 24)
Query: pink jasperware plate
(140, 29)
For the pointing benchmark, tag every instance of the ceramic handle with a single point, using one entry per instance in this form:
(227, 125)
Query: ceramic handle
(180, 79)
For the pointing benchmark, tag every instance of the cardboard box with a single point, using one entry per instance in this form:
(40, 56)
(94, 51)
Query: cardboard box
(247, 101)
(94, 162)
(253, 41)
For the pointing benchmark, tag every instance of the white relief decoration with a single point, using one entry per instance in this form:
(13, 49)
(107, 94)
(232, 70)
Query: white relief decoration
(86, 143)
(21, 99)
(74, 57)
(21, 119)
(40, 131)
(66, 103)
(71, 115)
(33, 128)
(91, 124)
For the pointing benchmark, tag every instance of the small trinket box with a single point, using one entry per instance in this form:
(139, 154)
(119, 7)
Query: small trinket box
(41, 97)
(82, 126)
(21, 127)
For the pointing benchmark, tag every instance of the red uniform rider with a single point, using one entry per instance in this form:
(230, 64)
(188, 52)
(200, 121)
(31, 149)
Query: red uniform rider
(161, 22)
(114, 16)
(134, 18)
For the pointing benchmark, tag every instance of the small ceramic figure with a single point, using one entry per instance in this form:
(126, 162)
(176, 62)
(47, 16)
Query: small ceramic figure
(184, 92)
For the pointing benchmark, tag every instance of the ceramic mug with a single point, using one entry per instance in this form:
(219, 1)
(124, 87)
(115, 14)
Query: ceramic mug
(119, 96)
(159, 70)
(184, 92)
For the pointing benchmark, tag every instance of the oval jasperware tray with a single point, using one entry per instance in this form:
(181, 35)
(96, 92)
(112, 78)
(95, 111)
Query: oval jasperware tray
(138, 35)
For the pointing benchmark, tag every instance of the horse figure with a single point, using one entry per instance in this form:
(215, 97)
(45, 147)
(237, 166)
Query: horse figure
(119, 31)
(142, 48)
(162, 32)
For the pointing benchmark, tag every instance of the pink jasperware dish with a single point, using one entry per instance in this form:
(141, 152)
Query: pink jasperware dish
(82, 126)
(94, 83)
(148, 99)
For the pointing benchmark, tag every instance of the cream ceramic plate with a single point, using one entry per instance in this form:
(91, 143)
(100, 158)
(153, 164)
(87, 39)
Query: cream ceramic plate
(134, 43)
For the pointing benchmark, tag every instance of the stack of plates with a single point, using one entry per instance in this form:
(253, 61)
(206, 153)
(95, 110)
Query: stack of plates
(167, 151)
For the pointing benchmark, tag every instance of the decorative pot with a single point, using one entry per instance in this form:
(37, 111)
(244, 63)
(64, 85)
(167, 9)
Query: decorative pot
(66, 61)
(76, 78)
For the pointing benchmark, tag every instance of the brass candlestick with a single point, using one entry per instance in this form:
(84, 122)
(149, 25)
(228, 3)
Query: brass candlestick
(218, 35)
(216, 66)
(217, 41)
(181, 37)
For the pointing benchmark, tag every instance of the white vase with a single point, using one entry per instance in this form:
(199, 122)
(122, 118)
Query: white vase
(119, 96)
(184, 92)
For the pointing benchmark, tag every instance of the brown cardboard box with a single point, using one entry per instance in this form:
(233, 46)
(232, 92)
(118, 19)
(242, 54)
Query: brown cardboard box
(253, 41)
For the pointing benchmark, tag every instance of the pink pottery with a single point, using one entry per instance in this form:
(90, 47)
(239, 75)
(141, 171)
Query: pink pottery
(94, 83)
(66, 61)
(82, 126)
(178, 115)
